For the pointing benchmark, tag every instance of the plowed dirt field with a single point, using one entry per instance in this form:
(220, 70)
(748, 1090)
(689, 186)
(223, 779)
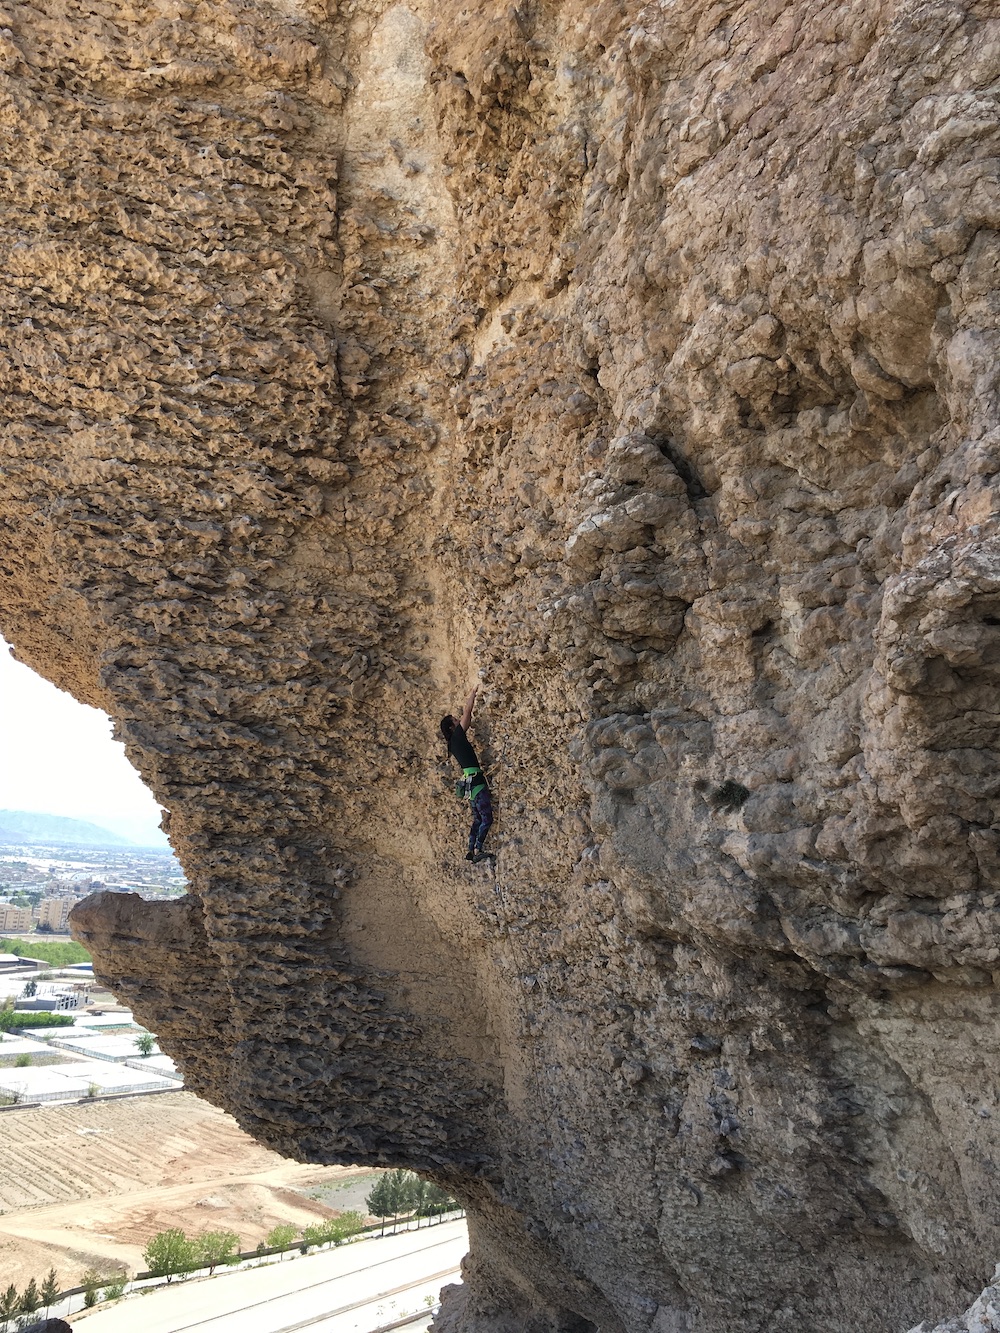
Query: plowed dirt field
(86, 1185)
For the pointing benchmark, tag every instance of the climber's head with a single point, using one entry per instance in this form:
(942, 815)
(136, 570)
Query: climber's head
(448, 725)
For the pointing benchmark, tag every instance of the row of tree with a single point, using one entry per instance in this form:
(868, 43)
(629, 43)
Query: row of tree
(97, 1286)
(331, 1231)
(173, 1252)
(57, 953)
(34, 1297)
(402, 1193)
(395, 1194)
(43, 1019)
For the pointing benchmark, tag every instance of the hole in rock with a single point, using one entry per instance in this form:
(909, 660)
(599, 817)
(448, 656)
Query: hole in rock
(688, 474)
(75, 816)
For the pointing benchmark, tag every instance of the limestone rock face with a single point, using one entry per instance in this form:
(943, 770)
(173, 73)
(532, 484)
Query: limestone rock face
(645, 360)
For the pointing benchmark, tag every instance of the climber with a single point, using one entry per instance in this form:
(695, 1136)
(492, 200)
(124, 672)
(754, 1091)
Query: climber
(473, 785)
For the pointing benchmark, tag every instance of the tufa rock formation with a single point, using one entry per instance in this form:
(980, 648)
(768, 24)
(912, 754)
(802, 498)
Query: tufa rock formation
(644, 359)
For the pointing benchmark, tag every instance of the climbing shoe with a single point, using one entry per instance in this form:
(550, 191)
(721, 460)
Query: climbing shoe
(481, 856)
(470, 856)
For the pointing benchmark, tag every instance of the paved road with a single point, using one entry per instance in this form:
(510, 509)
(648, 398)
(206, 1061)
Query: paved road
(353, 1289)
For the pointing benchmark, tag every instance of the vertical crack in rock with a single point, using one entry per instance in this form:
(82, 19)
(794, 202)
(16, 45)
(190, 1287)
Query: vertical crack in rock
(644, 360)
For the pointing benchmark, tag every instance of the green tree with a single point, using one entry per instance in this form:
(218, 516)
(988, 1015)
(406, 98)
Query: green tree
(30, 988)
(394, 1193)
(347, 1224)
(418, 1197)
(212, 1248)
(50, 1290)
(435, 1200)
(9, 1304)
(314, 1235)
(10, 1019)
(145, 1043)
(58, 953)
(379, 1200)
(281, 1236)
(168, 1253)
(91, 1282)
(30, 1298)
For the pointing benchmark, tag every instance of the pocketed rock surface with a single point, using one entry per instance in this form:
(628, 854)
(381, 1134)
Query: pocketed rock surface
(642, 360)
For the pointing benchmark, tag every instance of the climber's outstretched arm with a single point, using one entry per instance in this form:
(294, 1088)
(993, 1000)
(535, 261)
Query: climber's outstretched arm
(470, 703)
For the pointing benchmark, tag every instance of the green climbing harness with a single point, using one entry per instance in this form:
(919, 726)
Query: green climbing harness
(470, 784)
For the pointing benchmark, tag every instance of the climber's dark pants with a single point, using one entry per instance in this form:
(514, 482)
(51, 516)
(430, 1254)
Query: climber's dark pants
(482, 818)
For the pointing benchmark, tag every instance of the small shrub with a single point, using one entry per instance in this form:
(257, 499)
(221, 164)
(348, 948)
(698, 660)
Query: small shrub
(23, 1061)
(114, 1291)
(93, 1089)
(730, 795)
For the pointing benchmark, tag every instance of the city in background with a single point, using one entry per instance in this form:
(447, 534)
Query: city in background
(39, 885)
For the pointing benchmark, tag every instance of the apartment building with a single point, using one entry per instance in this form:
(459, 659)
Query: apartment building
(15, 918)
(55, 912)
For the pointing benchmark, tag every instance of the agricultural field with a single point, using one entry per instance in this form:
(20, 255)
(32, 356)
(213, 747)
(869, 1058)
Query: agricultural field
(88, 1184)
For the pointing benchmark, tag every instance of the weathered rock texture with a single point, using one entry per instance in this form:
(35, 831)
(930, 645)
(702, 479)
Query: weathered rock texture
(645, 359)
(983, 1316)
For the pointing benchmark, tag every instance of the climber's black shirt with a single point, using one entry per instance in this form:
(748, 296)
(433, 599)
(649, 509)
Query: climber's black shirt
(460, 748)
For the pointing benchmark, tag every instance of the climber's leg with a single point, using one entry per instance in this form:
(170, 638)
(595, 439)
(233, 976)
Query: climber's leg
(482, 805)
(474, 831)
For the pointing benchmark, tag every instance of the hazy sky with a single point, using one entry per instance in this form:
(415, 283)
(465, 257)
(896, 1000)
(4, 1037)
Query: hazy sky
(57, 758)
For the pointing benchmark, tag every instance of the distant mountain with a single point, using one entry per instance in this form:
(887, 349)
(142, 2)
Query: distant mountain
(21, 826)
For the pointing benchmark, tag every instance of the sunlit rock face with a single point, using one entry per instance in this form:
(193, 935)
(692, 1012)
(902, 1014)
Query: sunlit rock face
(643, 360)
